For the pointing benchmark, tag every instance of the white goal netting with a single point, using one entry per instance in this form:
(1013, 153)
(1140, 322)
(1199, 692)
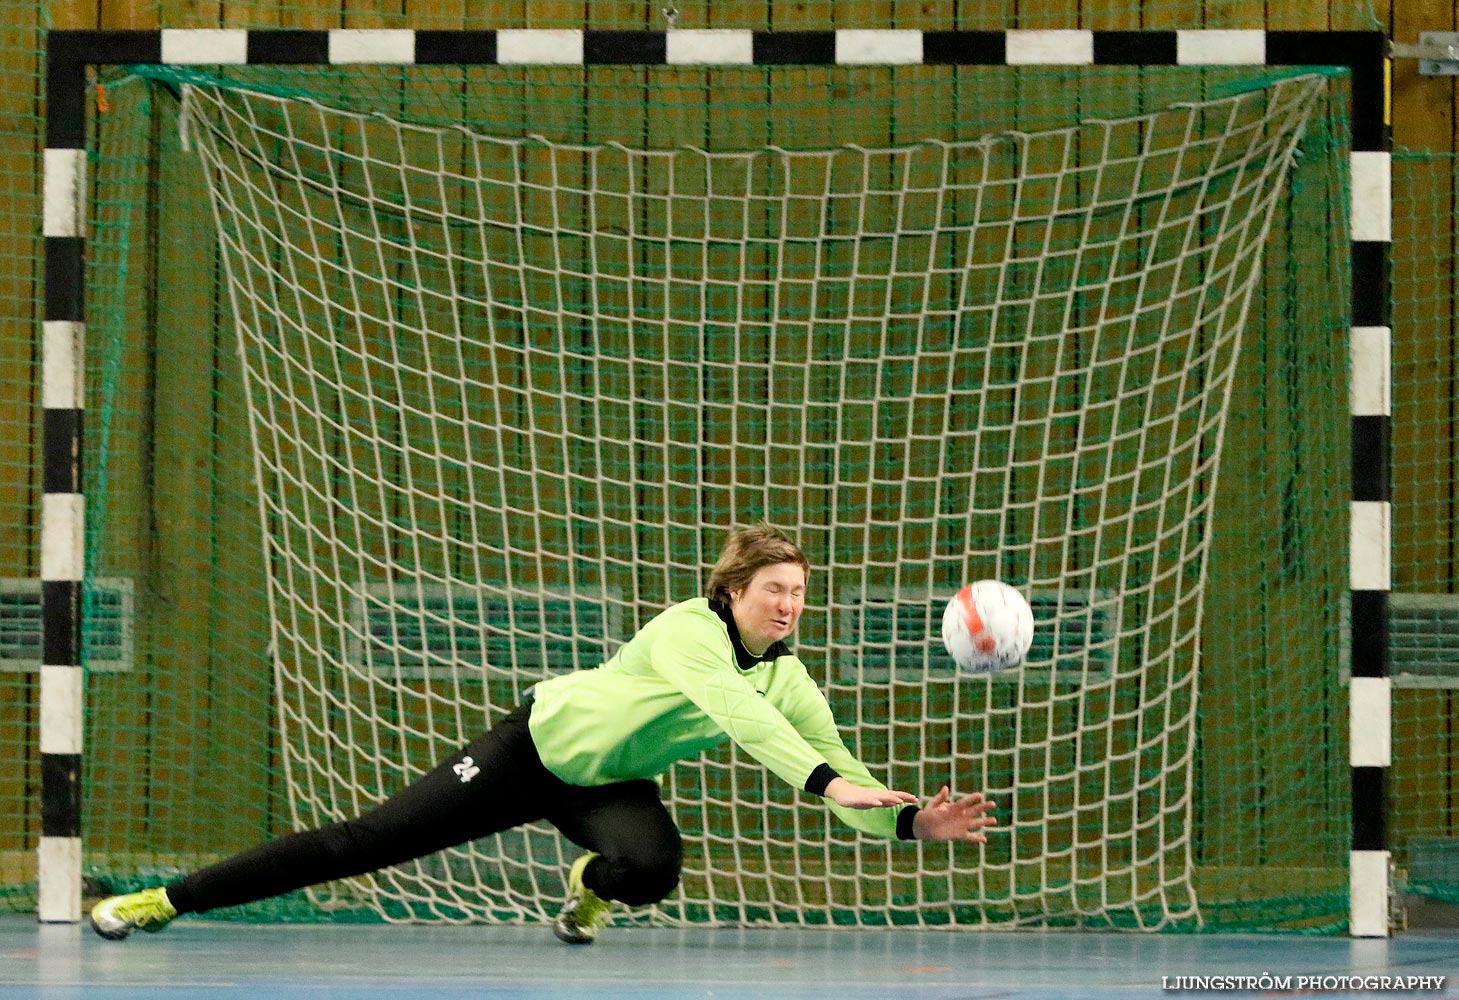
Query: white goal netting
(506, 395)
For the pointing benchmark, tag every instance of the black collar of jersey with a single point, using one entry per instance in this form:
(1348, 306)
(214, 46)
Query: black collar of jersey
(743, 657)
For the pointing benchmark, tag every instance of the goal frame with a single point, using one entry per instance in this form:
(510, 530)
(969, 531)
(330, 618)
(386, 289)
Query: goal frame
(72, 54)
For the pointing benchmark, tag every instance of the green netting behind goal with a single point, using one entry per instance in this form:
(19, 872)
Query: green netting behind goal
(1208, 793)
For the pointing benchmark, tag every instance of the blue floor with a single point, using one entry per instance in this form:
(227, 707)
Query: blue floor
(195, 958)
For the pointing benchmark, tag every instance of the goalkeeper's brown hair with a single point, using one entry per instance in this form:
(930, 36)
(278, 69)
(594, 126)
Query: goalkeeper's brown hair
(747, 550)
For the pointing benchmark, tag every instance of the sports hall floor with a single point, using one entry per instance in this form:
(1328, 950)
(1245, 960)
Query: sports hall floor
(195, 958)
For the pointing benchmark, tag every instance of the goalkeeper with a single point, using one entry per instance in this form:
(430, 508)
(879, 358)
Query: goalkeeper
(584, 751)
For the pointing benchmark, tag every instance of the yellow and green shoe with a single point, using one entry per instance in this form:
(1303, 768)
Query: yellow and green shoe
(116, 917)
(584, 913)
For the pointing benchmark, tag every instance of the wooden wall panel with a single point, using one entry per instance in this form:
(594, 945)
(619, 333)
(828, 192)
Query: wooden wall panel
(73, 14)
(131, 14)
(20, 185)
(1425, 782)
(447, 15)
(21, 106)
(1296, 17)
(1425, 342)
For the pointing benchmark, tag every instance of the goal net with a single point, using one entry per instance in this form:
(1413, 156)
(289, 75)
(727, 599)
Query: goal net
(494, 388)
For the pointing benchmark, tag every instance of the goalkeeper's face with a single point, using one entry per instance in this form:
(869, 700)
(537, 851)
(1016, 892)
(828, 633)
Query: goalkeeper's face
(769, 607)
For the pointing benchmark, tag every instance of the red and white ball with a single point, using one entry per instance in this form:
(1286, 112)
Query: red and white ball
(987, 626)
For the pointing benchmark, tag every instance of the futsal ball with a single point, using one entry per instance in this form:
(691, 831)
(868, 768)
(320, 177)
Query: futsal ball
(987, 626)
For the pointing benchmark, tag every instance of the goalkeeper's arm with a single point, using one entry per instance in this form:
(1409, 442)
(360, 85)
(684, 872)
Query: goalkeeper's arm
(855, 791)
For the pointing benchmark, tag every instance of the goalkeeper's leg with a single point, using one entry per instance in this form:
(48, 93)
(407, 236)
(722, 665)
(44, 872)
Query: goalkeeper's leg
(495, 783)
(635, 853)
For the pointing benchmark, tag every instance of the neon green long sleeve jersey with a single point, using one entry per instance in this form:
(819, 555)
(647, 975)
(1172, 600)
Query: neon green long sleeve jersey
(683, 685)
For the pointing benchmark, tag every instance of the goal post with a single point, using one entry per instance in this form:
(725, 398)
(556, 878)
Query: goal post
(504, 388)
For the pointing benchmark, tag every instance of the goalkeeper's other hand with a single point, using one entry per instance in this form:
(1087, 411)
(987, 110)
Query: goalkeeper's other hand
(963, 819)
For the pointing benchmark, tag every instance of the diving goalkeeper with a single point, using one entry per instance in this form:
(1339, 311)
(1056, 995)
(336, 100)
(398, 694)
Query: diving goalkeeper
(584, 750)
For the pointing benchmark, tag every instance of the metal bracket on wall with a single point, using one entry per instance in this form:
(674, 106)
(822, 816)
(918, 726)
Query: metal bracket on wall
(1436, 51)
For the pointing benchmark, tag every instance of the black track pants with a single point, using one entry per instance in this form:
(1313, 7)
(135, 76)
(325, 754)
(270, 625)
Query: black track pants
(497, 782)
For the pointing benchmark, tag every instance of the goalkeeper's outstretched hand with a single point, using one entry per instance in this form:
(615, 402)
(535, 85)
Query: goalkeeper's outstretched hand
(965, 819)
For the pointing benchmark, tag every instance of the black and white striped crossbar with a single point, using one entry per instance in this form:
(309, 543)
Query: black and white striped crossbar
(69, 53)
